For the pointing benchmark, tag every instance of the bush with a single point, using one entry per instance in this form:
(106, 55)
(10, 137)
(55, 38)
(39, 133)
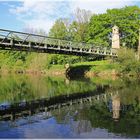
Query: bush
(129, 64)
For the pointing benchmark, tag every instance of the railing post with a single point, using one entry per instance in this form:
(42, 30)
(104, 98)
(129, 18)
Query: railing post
(59, 44)
(105, 49)
(97, 50)
(12, 42)
(29, 48)
(89, 99)
(98, 98)
(111, 52)
(81, 101)
(45, 46)
(70, 47)
(89, 50)
(29, 44)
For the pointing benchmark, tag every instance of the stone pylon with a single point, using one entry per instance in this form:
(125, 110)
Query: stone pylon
(115, 38)
(116, 106)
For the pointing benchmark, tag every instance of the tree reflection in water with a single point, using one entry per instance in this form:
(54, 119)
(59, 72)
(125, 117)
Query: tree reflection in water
(117, 113)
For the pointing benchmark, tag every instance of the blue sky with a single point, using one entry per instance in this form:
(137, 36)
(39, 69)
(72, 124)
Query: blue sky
(41, 14)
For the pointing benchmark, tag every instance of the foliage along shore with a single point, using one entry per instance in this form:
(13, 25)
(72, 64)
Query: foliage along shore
(125, 65)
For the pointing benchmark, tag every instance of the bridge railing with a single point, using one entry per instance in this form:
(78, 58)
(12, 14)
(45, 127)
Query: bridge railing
(27, 37)
(39, 41)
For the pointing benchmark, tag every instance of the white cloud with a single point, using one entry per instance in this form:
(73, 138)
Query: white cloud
(42, 13)
(99, 6)
(39, 24)
(39, 14)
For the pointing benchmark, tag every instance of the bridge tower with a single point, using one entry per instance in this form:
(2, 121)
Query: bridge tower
(115, 38)
(116, 106)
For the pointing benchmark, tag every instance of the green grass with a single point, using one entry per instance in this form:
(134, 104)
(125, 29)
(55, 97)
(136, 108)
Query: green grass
(57, 67)
(92, 63)
(95, 66)
(98, 66)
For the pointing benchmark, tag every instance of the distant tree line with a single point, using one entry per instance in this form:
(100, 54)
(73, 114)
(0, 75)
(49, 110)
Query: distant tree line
(97, 28)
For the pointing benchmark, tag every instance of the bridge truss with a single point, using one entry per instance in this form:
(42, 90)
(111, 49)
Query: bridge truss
(19, 41)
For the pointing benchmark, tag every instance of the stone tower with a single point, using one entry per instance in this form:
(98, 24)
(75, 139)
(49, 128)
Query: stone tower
(116, 106)
(115, 38)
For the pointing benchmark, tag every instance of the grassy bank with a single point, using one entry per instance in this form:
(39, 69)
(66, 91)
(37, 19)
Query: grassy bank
(95, 68)
(33, 63)
(52, 64)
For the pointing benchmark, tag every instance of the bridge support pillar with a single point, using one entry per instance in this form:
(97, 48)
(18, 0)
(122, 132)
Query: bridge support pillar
(116, 107)
(115, 38)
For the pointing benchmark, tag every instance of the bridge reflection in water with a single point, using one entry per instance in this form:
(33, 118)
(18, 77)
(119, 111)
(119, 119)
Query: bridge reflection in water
(41, 109)
(47, 105)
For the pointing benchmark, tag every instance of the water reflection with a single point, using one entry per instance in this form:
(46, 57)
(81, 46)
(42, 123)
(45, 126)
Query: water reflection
(58, 108)
(116, 107)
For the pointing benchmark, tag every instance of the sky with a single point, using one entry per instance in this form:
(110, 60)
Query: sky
(41, 14)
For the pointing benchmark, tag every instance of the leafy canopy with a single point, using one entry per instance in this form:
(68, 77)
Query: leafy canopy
(127, 19)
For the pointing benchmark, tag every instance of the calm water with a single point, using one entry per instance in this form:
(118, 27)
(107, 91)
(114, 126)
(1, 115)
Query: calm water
(50, 107)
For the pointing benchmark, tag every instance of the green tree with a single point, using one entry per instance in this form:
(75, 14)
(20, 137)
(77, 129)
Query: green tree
(129, 64)
(127, 19)
(59, 30)
(78, 28)
(62, 30)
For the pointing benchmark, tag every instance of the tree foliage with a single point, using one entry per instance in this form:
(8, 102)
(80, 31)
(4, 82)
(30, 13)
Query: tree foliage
(78, 28)
(127, 19)
(58, 30)
(74, 31)
(129, 64)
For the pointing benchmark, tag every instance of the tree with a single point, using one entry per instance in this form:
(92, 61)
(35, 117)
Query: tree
(128, 62)
(59, 30)
(127, 19)
(82, 15)
(78, 28)
(62, 29)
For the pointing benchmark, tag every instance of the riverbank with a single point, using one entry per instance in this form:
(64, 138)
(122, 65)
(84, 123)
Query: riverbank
(102, 68)
(87, 69)
(126, 64)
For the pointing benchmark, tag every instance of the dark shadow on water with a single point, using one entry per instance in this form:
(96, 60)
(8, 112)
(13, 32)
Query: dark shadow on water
(77, 72)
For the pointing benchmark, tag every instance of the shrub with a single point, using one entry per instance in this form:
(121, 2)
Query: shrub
(129, 64)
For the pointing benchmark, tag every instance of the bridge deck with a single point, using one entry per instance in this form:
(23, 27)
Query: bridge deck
(12, 40)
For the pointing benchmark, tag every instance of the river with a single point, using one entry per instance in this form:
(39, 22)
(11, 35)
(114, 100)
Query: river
(56, 107)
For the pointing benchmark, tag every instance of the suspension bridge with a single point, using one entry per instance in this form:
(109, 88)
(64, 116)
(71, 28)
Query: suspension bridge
(20, 41)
